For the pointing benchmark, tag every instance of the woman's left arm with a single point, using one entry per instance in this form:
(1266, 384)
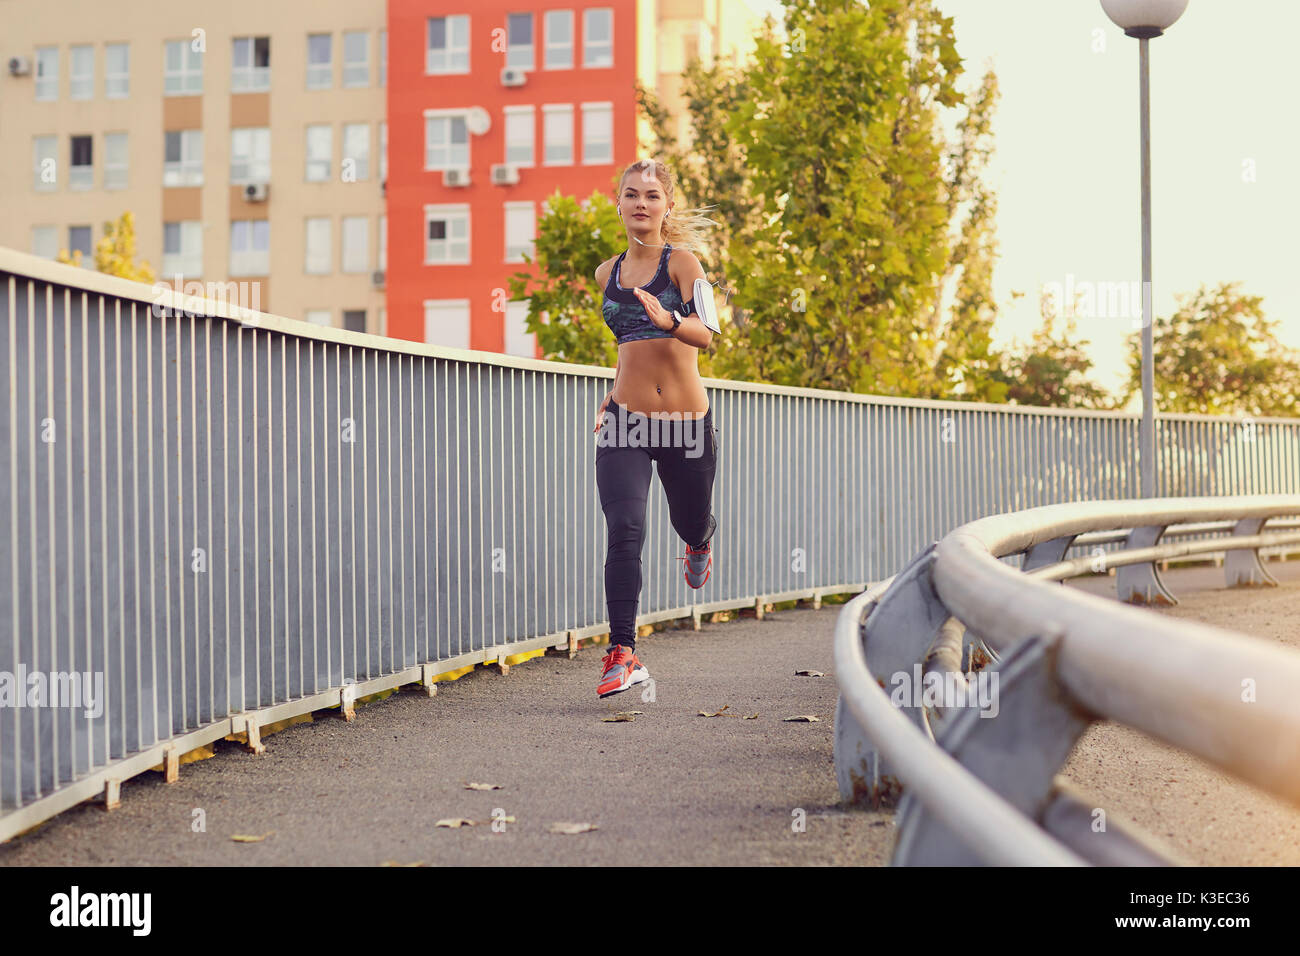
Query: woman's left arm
(683, 269)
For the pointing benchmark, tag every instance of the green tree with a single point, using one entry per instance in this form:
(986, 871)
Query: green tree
(1218, 354)
(1052, 369)
(115, 252)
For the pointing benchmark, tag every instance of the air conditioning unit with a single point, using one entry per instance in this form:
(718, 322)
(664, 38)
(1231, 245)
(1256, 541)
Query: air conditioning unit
(512, 76)
(377, 279)
(256, 192)
(19, 66)
(455, 177)
(504, 174)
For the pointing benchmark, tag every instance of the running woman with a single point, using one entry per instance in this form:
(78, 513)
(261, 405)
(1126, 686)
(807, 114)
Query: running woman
(659, 305)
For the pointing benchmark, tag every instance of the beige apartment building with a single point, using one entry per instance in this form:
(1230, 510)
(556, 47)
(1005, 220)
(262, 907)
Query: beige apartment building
(248, 140)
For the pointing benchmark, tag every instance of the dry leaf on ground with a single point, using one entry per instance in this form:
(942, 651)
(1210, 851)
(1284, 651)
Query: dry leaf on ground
(622, 715)
(805, 718)
(247, 838)
(809, 674)
(456, 822)
(572, 827)
(716, 713)
(482, 786)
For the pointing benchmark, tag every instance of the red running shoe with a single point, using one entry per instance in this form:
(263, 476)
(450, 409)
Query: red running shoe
(621, 671)
(698, 563)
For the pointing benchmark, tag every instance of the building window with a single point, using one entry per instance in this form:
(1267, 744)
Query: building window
(597, 133)
(319, 243)
(446, 141)
(250, 247)
(182, 69)
(519, 341)
(383, 58)
(81, 174)
(383, 150)
(354, 320)
(45, 242)
(383, 244)
(356, 151)
(520, 134)
(356, 244)
(448, 45)
(250, 65)
(81, 72)
(598, 37)
(183, 249)
(183, 157)
(79, 241)
(519, 43)
(557, 132)
(250, 155)
(446, 235)
(446, 322)
(320, 153)
(559, 40)
(47, 73)
(520, 222)
(117, 71)
(115, 160)
(45, 176)
(320, 61)
(356, 58)
(319, 317)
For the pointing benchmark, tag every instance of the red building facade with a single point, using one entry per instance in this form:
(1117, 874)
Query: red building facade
(492, 107)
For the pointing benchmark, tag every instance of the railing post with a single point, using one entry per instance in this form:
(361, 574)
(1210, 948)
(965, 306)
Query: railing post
(1242, 566)
(1140, 583)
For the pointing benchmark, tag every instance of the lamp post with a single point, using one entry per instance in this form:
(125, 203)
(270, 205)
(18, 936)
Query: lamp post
(1144, 19)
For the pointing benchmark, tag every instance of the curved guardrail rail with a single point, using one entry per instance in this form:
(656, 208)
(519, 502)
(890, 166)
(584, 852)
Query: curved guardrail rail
(982, 790)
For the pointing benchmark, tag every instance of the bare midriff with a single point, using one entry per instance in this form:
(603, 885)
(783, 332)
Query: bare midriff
(658, 376)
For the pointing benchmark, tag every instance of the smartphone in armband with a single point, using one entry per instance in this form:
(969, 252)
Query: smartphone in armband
(702, 304)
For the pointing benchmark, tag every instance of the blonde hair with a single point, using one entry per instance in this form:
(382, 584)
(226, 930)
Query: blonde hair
(682, 228)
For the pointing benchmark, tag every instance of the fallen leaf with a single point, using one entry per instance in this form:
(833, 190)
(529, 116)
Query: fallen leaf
(456, 822)
(716, 713)
(482, 786)
(502, 820)
(622, 715)
(805, 718)
(395, 863)
(809, 674)
(572, 827)
(749, 717)
(246, 838)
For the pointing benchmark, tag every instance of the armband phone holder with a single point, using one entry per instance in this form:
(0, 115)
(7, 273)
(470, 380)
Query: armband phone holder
(704, 306)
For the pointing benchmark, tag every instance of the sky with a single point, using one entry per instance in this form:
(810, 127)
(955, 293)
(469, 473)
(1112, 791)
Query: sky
(1225, 161)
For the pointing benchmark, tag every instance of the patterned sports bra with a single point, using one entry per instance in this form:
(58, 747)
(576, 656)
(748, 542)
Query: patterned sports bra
(625, 315)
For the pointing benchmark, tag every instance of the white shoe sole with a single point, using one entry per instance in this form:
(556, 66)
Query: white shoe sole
(637, 676)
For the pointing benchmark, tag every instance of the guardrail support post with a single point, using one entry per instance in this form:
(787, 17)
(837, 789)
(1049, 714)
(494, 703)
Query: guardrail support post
(1047, 552)
(1242, 566)
(1140, 583)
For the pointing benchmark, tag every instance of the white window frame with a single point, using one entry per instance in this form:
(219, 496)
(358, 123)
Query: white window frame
(318, 256)
(354, 245)
(382, 261)
(87, 257)
(383, 58)
(83, 176)
(116, 173)
(255, 160)
(356, 73)
(590, 110)
(562, 49)
(460, 340)
(591, 51)
(451, 212)
(529, 115)
(188, 170)
(449, 115)
(519, 341)
(452, 58)
(314, 317)
(250, 261)
(517, 245)
(188, 262)
(249, 77)
(361, 163)
(311, 158)
(43, 148)
(522, 56)
(117, 83)
(343, 319)
(47, 73)
(81, 86)
(45, 241)
(320, 76)
(556, 109)
(187, 80)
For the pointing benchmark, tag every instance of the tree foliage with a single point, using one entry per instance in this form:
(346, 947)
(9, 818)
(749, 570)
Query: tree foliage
(115, 252)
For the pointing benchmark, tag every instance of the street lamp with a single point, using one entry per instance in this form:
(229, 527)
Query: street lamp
(1144, 19)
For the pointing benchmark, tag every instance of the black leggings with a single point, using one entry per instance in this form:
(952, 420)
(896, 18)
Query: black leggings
(687, 453)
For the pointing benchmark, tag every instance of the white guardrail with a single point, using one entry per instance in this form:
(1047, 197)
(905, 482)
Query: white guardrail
(976, 759)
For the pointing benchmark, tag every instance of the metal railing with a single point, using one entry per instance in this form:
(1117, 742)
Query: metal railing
(234, 517)
(980, 790)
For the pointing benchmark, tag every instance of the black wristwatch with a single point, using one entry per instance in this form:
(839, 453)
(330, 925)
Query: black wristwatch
(677, 321)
